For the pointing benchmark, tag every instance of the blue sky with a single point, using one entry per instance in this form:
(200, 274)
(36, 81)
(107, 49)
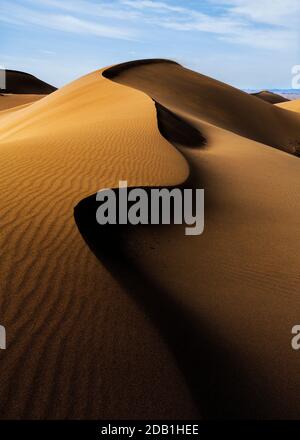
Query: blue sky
(246, 43)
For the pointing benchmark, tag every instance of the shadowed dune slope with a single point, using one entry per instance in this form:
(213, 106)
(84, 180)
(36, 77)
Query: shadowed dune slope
(228, 298)
(22, 88)
(24, 83)
(272, 98)
(78, 347)
(191, 94)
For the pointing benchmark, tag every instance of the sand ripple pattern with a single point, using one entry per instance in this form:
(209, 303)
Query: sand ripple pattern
(74, 346)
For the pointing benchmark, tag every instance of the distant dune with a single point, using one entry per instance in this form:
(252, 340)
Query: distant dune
(22, 88)
(24, 83)
(145, 322)
(272, 98)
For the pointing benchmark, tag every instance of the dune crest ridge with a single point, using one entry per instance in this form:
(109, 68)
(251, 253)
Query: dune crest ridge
(191, 94)
(271, 97)
(22, 88)
(24, 83)
(73, 335)
(232, 292)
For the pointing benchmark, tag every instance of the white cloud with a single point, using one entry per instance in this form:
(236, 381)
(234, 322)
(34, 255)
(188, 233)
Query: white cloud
(154, 5)
(266, 24)
(66, 23)
(273, 12)
(238, 21)
(85, 7)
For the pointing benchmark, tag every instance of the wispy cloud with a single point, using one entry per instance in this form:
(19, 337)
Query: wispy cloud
(265, 24)
(86, 34)
(154, 5)
(18, 14)
(84, 7)
(273, 12)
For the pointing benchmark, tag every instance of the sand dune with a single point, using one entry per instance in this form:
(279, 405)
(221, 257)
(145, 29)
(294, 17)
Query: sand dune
(22, 88)
(234, 289)
(272, 98)
(77, 345)
(190, 93)
(24, 83)
(291, 105)
(155, 324)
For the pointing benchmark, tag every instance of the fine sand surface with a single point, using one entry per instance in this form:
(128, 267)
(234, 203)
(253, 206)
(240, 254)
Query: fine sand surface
(144, 321)
(78, 346)
(233, 291)
(8, 101)
(291, 105)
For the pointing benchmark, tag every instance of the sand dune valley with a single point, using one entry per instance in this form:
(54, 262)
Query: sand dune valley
(141, 322)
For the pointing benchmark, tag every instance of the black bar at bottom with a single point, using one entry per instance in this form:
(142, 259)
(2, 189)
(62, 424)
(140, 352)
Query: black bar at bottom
(126, 429)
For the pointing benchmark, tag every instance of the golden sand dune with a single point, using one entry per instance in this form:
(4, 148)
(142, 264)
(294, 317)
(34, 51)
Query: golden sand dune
(23, 83)
(291, 105)
(77, 115)
(225, 301)
(188, 92)
(77, 345)
(159, 325)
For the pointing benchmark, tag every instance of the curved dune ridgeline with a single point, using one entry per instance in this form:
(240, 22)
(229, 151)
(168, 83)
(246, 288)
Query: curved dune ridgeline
(78, 346)
(191, 94)
(23, 83)
(225, 301)
(22, 88)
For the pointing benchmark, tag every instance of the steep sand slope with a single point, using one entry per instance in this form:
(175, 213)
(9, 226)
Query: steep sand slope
(231, 294)
(9, 101)
(188, 92)
(78, 346)
(272, 98)
(291, 105)
(24, 83)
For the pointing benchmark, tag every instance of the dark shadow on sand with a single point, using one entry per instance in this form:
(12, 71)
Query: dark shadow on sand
(118, 68)
(221, 388)
(176, 130)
